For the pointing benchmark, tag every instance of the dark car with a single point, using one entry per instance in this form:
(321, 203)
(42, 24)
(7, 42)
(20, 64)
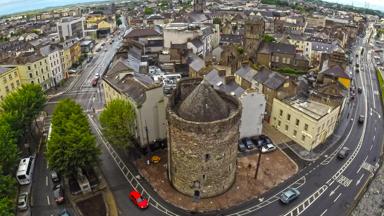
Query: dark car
(241, 147)
(55, 176)
(357, 65)
(361, 119)
(58, 194)
(343, 153)
(248, 143)
(357, 70)
(94, 82)
(359, 90)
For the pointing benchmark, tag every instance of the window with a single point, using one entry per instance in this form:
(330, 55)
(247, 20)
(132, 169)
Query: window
(306, 127)
(17, 82)
(30, 75)
(41, 64)
(289, 117)
(5, 80)
(294, 133)
(286, 127)
(279, 123)
(12, 86)
(6, 89)
(303, 138)
(281, 112)
(29, 67)
(204, 177)
(297, 122)
(207, 157)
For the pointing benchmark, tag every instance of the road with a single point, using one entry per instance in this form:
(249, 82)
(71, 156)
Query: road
(89, 97)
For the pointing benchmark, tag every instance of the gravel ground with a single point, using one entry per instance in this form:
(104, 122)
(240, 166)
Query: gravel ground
(372, 203)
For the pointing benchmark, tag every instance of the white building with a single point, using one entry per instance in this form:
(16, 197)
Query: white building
(70, 27)
(54, 61)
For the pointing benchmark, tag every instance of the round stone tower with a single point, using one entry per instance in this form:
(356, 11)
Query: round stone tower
(203, 132)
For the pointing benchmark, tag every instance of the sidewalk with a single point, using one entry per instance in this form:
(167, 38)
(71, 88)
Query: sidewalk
(280, 139)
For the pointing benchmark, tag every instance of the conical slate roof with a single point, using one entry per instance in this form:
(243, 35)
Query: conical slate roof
(204, 104)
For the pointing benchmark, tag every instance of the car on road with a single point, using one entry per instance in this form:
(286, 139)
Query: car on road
(248, 143)
(22, 201)
(64, 212)
(343, 153)
(357, 65)
(55, 177)
(241, 146)
(138, 200)
(289, 195)
(97, 75)
(357, 70)
(361, 119)
(58, 194)
(268, 148)
(94, 82)
(359, 90)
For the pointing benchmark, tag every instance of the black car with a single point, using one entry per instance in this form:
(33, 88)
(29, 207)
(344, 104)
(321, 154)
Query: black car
(248, 143)
(357, 65)
(241, 147)
(357, 70)
(343, 153)
(359, 90)
(361, 119)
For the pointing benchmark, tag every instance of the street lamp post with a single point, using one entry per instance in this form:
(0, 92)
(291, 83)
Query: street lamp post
(258, 164)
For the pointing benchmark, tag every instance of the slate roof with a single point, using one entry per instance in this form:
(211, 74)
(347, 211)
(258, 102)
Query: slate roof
(335, 71)
(197, 42)
(246, 72)
(3, 69)
(270, 79)
(231, 38)
(125, 81)
(204, 104)
(197, 64)
(218, 82)
(146, 32)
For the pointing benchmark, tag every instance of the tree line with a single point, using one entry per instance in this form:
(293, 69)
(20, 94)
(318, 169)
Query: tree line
(18, 111)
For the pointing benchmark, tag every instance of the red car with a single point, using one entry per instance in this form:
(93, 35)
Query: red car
(94, 82)
(138, 200)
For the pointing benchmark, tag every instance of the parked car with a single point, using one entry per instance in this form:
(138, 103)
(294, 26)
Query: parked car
(241, 146)
(248, 143)
(357, 70)
(361, 119)
(357, 65)
(97, 76)
(64, 212)
(22, 201)
(138, 200)
(268, 148)
(94, 82)
(58, 194)
(343, 153)
(55, 177)
(289, 195)
(359, 90)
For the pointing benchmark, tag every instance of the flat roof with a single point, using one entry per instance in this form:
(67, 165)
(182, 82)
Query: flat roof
(311, 108)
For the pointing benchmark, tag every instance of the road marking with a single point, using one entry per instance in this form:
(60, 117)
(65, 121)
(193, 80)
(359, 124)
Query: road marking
(49, 203)
(343, 180)
(374, 137)
(46, 180)
(332, 192)
(337, 198)
(359, 180)
(371, 147)
(324, 212)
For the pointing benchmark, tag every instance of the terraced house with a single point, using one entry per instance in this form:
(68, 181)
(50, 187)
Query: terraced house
(53, 55)
(9, 79)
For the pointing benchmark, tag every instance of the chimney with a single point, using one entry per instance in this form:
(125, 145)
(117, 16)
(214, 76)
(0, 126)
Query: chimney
(222, 72)
(229, 79)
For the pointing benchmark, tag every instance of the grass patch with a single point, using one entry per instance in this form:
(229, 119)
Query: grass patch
(381, 83)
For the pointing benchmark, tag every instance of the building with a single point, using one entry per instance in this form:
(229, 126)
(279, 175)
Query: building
(65, 57)
(254, 30)
(203, 132)
(54, 61)
(307, 122)
(120, 82)
(70, 27)
(10, 80)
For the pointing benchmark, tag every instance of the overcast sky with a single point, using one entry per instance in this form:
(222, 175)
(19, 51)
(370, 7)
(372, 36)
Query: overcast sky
(372, 4)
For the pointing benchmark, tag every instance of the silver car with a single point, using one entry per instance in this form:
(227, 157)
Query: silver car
(22, 201)
(289, 195)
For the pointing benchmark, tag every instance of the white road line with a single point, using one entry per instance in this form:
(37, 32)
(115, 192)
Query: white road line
(324, 212)
(332, 192)
(371, 147)
(359, 180)
(49, 203)
(337, 198)
(46, 180)
(374, 137)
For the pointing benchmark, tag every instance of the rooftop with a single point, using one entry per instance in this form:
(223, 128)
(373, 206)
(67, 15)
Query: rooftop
(311, 108)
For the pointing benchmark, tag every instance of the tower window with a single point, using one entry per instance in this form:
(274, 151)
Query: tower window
(207, 157)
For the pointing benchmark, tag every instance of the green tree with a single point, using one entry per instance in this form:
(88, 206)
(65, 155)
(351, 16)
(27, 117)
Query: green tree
(118, 122)
(217, 21)
(268, 38)
(6, 207)
(148, 11)
(9, 153)
(8, 186)
(71, 145)
(23, 106)
(118, 19)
